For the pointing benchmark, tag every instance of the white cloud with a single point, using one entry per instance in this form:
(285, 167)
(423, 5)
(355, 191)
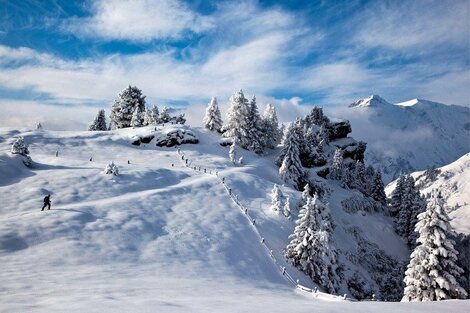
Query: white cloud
(415, 24)
(16, 113)
(138, 20)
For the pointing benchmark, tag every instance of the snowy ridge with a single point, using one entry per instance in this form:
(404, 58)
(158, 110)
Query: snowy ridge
(409, 136)
(453, 181)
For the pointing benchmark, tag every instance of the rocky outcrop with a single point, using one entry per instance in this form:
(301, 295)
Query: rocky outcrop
(176, 137)
(338, 130)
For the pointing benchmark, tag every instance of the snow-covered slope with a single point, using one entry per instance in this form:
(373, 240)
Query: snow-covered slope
(161, 236)
(409, 136)
(453, 181)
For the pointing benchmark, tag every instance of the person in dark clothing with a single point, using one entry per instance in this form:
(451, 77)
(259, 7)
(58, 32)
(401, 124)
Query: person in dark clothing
(47, 202)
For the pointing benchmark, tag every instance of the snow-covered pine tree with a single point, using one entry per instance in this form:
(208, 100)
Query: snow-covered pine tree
(432, 272)
(237, 120)
(411, 204)
(213, 119)
(180, 119)
(316, 117)
(396, 196)
(99, 122)
(38, 126)
(155, 115)
(256, 133)
(378, 191)
(323, 135)
(271, 127)
(276, 198)
(291, 170)
(310, 248)
(337, 167)
(19, 146)
(232, 153)
(286, 211)
(137, 118)
(124, 106)
(164, 115)
(305, 195)
(147, 117)
(111, 168)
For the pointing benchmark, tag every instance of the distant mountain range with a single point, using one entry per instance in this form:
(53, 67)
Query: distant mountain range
(409, 136)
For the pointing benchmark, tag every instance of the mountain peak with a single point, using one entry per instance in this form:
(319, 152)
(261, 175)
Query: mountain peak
(371, 101)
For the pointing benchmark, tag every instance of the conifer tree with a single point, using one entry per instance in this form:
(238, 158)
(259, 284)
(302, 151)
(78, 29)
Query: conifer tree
(337, 167)
(271, 127)
(164, 116)
(432, 272)
(20, 147)
(291, 170)
(286, 211)
(155, 115)
(311, 249)
(232, 153)
(411, 204)
(38, 126)
(396, 196)
(137, 118)
(256, 134)
(124, 106)
(99, 122)
(276, 198)
(213, 119)
(147, 117)
(237, 126)
(378, 191)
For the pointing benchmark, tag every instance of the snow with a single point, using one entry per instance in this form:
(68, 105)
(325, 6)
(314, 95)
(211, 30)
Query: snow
(159, 236)
(454, 183)
(409, 136)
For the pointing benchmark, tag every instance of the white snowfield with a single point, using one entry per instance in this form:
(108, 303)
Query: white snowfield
(159, 237)
(453, 180)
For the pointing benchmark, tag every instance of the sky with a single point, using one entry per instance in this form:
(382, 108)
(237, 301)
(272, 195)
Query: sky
(61, 61)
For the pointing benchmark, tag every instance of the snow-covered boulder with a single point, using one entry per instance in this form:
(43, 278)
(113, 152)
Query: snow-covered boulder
(176, 137)
(339, 129)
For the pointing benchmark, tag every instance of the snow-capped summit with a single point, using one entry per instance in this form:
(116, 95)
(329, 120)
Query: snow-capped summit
(371, 101)
(409, 136)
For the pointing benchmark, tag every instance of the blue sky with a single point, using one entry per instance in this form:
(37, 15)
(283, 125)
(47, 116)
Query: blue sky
(81, 54)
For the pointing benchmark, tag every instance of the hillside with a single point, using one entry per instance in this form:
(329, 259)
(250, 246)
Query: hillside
(162, 236)
(453, 180)
(409, 136)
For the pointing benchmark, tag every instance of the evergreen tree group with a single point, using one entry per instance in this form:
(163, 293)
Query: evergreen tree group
(406, 203)
(128, 101)
(290, 170)
(432, 272)
(245, 124)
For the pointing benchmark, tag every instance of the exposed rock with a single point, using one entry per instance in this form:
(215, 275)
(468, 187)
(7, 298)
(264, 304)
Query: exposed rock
(351, 148)
(176, 137)
(337, 130)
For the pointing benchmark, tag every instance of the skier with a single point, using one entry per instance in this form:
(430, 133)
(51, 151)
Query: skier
(47, 202)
